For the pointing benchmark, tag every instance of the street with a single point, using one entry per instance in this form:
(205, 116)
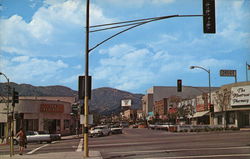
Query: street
(145, 143)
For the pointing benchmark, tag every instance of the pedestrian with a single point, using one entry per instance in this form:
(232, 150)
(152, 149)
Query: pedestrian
(22, 140)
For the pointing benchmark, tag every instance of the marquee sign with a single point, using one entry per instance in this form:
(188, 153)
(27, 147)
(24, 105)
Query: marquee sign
(52, 108)
(240, 96)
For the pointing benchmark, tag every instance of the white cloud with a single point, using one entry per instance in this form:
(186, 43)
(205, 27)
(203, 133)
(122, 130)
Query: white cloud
(57, 21)
(234, 30)
(20, 59)
(133, 69)
(162, 1)
(69, 79)
(138, 3)
(27, 69)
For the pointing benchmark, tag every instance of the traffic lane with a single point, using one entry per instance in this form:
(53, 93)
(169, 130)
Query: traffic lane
(152, 151)
(239, 138)
(174, 141)
(179, 153)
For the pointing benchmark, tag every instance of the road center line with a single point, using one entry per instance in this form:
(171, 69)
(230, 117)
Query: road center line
(79, 148)
(31, 152)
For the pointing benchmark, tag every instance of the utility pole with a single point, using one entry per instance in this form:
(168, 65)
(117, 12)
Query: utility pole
(86, 97)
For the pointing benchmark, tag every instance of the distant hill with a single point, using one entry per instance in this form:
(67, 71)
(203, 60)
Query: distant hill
(103, 101)
(108, 100)
(29, 90)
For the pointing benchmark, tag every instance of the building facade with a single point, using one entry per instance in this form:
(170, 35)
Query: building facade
(161, 108)
(53, 116)
(232, 105)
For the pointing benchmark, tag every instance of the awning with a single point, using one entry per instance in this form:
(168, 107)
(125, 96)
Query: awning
(199, 114)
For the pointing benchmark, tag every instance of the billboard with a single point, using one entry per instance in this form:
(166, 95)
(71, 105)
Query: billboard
(126, 103)
(240, 96)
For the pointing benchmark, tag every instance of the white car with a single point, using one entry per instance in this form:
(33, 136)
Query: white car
(116, 129)
(99, 131)
(34, 136)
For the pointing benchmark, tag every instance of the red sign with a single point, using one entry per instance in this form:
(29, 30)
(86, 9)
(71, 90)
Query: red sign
(52, 108)
(172, 110)
(201, 108)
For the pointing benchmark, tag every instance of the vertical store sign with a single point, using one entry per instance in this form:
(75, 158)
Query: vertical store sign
(240, 96)
(209, 16)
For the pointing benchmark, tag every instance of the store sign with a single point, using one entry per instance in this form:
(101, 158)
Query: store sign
(52, 108)
(240, 96)
(228, 73)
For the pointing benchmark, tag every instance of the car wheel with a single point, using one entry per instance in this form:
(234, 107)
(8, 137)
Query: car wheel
(101, 134)
(49, 142)
(15, 142)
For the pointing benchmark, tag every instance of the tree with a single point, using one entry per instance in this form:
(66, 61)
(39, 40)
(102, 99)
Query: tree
(223, 100)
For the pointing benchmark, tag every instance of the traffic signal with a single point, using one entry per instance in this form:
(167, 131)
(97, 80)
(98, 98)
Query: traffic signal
(179, 85)
(15, 97)
(209, 16)
(74, 109)
(211, 108)
(81, 87)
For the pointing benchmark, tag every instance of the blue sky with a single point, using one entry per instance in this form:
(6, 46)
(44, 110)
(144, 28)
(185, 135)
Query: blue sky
(42, 43)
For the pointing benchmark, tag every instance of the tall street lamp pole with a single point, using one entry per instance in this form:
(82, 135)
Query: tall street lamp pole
(209, 85)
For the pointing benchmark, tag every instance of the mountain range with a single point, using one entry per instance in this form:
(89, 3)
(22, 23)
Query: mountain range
(104, 100)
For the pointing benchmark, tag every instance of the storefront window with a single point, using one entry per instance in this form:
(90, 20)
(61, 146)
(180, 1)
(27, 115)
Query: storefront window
(31, 124)
(231, 118)
(220, 120)
(66, 124)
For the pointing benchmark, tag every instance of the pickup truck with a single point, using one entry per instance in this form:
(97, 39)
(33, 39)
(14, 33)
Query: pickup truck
(34, 136)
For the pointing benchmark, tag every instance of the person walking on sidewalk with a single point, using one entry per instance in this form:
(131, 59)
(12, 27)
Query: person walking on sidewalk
(22, 140)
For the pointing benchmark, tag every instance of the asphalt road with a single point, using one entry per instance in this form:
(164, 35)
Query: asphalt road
(144, 143)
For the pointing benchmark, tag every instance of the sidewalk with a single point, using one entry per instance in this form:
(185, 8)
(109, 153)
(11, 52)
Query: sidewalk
(59, 155)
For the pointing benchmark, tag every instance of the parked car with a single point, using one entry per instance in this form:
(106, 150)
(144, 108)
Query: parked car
(102, 130)
(116, 129)
(34, 136)
(54, 137)
(124, 124)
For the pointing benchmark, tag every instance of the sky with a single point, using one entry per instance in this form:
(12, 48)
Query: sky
(42, 43)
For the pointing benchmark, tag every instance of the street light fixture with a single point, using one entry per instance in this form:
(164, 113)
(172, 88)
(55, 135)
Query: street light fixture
(209, 84)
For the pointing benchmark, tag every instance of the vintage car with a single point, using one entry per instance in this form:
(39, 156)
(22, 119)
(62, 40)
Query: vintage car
(54, 137)
(116, 129)
(34, 136)
(102, 130)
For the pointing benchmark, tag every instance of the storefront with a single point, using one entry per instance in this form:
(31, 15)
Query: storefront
(44, 115)
(232, 108)
(52, 116)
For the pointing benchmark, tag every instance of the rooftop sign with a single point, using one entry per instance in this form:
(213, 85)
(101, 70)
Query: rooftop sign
(228, 73)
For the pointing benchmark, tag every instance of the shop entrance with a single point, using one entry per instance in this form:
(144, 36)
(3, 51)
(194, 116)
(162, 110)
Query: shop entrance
(244, 119)
(52, 126)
